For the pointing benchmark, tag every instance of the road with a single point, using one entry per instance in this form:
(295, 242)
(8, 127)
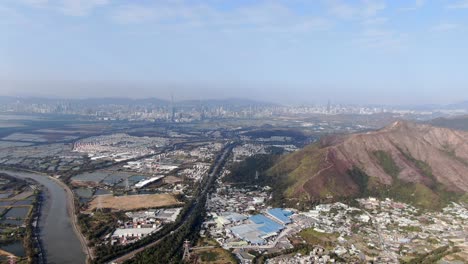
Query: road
(386, 252)
(214, 173)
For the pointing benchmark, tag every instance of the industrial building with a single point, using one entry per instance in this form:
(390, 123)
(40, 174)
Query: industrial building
(260, 227)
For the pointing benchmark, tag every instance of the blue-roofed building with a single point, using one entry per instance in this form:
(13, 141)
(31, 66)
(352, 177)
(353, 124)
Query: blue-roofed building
(250, 233)
(280, 215)
(267, 225)
(234, 217)
(260, 227)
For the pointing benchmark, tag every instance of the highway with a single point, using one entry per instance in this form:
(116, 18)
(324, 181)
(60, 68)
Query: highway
(219, 163)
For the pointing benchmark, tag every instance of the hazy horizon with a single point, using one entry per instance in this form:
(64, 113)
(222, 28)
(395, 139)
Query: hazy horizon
(362, 52)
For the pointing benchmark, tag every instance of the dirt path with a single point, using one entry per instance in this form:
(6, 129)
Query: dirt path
(318, 173)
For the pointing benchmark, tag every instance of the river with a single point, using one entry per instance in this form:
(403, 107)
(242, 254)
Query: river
(60, 242)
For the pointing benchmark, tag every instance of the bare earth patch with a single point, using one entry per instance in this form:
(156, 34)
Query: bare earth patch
(133, 202)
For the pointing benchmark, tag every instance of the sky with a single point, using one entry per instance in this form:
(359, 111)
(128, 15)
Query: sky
(292, 51)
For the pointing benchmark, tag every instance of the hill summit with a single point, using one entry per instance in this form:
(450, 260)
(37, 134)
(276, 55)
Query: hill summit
(413, 162)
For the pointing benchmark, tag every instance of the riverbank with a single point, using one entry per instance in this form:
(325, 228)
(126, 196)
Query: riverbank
(54, 230)
(74, 217)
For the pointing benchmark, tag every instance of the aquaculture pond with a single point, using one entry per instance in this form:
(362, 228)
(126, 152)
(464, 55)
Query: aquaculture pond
(17, 212)
(16, 248)
(23, 202)
(101, 192)
(13, 222)
(6, 203)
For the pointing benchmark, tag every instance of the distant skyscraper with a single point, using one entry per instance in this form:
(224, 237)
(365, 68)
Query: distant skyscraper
(328, 107)
(172, 108)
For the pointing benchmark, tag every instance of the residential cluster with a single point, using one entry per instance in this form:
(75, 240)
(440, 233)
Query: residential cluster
(243, 151)
(381, 231)
(318, 255)
(118, 147)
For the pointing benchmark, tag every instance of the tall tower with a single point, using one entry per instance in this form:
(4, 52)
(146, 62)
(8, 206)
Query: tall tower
(12, 260)
(186, 255)
(127, 185)
(328, 107)
(172, 108)
(99, 207)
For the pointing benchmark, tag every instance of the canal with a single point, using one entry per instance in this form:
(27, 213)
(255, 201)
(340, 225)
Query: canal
(60, 242)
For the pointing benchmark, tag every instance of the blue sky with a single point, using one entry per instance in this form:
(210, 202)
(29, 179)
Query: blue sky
(361, 51)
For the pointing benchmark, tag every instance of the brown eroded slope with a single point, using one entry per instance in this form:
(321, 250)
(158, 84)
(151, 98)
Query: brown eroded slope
(431, 159)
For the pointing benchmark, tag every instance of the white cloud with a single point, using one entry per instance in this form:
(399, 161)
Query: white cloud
(341, 9)
(374, 21)
(80, 7)
(380, 39)
(459, 5)
(363, 9)
(66, 7)
(34, 3)
(417, 5)
(10, 17)
(264, 17)
(443, 27)
(129, 14)
(371, 8)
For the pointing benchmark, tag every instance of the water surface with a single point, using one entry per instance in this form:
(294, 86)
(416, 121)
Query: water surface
(60, 242)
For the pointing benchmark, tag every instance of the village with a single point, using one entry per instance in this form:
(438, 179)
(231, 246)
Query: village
(374, 230)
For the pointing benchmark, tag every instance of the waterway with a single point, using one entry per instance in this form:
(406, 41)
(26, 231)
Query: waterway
(60, 242)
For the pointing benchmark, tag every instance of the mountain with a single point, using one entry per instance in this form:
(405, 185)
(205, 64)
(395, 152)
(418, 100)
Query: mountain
(416, 163)
(459, 105)
(457, 122)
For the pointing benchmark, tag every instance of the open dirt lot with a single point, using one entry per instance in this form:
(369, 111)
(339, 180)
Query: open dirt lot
(133, 202)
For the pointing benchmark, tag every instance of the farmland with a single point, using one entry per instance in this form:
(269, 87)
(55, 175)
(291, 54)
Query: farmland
(133, 202)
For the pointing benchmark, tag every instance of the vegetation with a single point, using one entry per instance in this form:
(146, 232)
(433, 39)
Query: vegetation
(215, 255)
(423, 167)
(387, 163)
(292, 172)
(411, 228)
(209, 256)
(101, 223)
(417, 194)
(254, 171)
(315, 238)
(433, 256)
(304, 249)
(360, 178)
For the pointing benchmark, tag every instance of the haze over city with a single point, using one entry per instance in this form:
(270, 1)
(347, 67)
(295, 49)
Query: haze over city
(387, 52)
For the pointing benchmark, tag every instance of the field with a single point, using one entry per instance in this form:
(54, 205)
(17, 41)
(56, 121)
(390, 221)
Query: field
(314, 238)
(214, 255)
(133, 202)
